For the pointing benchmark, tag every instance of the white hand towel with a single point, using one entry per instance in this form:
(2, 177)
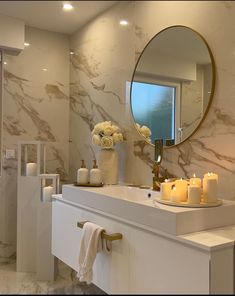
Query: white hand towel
(91, 244)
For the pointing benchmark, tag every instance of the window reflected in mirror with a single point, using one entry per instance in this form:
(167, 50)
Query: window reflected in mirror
(154, 106)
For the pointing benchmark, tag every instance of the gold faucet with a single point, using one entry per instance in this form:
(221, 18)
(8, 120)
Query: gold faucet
(156, 166)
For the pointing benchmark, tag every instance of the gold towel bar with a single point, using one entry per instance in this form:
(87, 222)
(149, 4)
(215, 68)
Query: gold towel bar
(104, 235)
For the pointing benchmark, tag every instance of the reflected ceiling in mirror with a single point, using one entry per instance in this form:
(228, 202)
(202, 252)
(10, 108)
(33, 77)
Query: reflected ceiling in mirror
(172, 85)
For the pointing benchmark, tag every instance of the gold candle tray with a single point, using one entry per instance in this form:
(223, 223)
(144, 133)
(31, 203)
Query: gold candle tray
(88, 184)
(185, 204)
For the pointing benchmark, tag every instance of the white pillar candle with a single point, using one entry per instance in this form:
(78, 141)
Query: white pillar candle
(31, 169)
(166, 190)
(211, 176)
(175, 195)
(210, 188)
(47, 193)
(194, 194)
(182, 187)
(195, 181)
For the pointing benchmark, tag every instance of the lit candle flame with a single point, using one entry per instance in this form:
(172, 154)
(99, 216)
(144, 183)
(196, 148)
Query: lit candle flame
(166, 180)
(194, 175)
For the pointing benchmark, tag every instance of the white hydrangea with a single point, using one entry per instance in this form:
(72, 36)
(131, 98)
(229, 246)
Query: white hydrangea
(106, 142)
(108, 130)
(96, 140)
(117, 137)
(144, 131)
(106, 134)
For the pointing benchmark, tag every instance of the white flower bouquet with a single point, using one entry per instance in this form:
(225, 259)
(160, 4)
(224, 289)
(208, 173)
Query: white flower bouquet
(106, 135)
(144, 131)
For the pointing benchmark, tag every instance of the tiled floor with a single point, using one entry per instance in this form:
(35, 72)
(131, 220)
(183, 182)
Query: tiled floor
(12, 282)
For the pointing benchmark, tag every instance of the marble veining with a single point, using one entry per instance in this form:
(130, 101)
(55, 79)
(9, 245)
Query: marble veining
(54, 92)
(85, 64)
(12, 126)
(102, 88)
(210, 148)
(24, 105)
(12, 282)
(82, 104)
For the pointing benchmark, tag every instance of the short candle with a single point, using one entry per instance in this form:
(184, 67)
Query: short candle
(194, 194)
(195, 181)
(175, 195)
(166, 190)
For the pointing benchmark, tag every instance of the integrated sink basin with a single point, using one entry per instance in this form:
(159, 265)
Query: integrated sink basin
(137, 206)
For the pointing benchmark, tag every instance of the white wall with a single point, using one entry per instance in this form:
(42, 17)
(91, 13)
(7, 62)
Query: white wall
(167, 66)
(11, 33)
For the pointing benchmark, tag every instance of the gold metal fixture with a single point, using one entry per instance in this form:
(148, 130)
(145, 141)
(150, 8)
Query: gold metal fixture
(156, 166)
(104, 235)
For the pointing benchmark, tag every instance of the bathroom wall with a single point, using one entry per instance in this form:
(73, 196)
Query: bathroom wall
(192, 103)
(105, 56)
(35, 107)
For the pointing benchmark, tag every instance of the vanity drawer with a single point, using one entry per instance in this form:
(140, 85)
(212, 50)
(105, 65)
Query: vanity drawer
(65, 233)
(110, 271)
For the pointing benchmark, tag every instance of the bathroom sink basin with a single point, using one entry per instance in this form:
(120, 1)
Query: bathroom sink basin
(137, 206)
(129, 193)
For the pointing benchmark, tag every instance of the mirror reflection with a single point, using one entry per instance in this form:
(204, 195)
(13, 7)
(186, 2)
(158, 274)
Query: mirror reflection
(172, 85)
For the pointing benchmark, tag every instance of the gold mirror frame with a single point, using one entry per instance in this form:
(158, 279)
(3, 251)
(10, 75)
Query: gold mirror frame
(212, 84)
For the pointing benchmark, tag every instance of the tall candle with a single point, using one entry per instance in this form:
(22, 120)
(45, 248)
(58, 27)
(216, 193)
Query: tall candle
(182, 187)
(210, 188)
(166, 190)
(194, 194)
(211, 176)
(31, 169)
(195, 181)
(47, 193)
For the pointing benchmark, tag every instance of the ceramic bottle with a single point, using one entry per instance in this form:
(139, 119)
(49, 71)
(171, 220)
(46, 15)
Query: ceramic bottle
(82, 174)
(95, 174)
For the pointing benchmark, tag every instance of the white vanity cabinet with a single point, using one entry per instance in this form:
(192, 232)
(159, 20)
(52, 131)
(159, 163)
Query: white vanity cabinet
(111, 271)
(143, 262)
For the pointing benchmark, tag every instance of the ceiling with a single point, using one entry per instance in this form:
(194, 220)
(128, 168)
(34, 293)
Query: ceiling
(49, 15)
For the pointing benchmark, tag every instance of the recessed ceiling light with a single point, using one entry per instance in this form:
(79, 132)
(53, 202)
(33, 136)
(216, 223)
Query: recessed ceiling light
(44, 69)
(5, 63)
(123, 22)
(67, 6)
(26, 44)
(71, 52)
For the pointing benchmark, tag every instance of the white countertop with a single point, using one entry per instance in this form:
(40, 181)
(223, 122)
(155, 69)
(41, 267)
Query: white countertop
(213, 239)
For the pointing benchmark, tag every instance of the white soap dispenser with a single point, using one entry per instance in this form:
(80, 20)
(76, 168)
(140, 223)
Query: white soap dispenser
(82, 174)
(95, 174)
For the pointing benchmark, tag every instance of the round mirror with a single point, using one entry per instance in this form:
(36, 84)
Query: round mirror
(172, 85)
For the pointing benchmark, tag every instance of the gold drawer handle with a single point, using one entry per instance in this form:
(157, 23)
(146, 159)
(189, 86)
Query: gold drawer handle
(104, 235)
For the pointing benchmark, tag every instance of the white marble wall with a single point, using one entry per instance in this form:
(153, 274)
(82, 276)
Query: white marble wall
(35, 107)
(192, 104)
(105, 55)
